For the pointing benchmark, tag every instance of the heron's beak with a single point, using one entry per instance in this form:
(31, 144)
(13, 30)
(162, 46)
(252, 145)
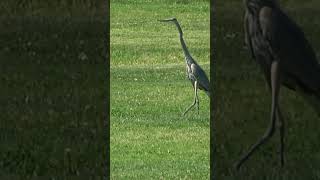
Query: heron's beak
(166, 20)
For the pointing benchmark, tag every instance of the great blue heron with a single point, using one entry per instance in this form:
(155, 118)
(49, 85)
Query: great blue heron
(195, 73)
(286, 58)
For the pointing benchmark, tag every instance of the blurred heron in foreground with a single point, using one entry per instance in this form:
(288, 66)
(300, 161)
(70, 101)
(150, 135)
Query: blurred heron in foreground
(286, 58)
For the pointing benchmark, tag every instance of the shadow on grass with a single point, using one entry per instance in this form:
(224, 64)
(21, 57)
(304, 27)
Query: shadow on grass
(53, 97)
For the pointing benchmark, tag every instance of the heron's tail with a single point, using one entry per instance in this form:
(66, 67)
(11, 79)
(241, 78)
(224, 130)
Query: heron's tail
(208, 93)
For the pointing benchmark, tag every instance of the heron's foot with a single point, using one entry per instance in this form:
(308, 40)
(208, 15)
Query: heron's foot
(188, 109)
(185, 112)
(237, 165)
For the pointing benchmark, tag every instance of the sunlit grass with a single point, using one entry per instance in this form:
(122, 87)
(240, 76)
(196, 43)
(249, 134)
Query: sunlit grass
(150, 139)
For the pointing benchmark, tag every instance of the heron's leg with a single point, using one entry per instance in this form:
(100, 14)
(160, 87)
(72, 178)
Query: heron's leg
(195, 98)
(281, 129)
(280, 121)
(275, 87)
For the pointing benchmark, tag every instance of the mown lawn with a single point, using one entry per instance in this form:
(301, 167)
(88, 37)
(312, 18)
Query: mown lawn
(243, 103)
(150, 139)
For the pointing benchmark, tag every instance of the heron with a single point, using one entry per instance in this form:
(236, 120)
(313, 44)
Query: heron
(194, 72)
(286, 58)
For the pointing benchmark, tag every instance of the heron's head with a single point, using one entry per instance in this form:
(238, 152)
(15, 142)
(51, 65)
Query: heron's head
(174, 21)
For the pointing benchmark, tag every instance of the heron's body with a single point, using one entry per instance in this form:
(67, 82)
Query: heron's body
(285, 57)
(194, 72)
(267, 26)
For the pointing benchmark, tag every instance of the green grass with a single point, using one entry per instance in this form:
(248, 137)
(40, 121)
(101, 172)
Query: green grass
(243, 103)
(52, 90)
(149, 91)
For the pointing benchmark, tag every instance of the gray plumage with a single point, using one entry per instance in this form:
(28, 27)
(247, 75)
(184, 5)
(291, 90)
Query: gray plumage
(285, 57)
(194, 72)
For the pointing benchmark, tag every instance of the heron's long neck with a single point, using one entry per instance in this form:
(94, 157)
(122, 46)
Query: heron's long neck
(183, 44)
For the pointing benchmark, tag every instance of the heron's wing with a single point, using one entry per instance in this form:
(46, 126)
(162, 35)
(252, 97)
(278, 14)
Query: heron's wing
(287, 43)
(201, 76)
(247, 35)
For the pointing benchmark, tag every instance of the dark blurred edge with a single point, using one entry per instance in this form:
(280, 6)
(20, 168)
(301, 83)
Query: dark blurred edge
(212, 81)
(108, 89)
(22, 10)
